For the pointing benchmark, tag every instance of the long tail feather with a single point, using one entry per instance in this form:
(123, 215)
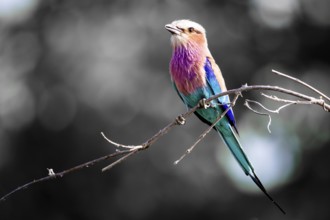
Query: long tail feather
(233, 144)
(262, 188)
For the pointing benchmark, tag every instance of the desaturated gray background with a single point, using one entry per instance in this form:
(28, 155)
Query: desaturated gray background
(71, 69)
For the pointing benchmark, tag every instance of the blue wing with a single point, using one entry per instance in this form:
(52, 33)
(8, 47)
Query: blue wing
(216, 89)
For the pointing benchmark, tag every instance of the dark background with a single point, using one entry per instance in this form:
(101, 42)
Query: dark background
(71, 69)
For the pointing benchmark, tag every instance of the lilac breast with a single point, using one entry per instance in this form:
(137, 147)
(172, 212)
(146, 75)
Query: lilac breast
(185, 69)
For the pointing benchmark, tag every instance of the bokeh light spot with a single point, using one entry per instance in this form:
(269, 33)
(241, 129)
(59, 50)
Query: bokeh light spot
(17, 104)
(275, 14)
(15, 11)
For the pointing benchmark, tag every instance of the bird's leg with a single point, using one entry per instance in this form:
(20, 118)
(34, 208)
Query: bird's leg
(204, 104)
(180, 120)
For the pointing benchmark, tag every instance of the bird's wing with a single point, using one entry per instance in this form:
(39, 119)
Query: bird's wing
(216, 84)
(189, 106)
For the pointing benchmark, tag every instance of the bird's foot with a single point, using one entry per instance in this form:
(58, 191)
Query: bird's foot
(180, 120)
(204, 104)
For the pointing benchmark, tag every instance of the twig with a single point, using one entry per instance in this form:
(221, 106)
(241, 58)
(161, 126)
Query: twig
(120, 160)
(296, 102)
(203, 135)
(301, 82)
(120, 145)
(246, 88)
(53, 175)
(267, 109)
(246, 103)
(180, 120)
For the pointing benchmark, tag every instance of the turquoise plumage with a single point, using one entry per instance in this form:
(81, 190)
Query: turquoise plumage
(195, 76)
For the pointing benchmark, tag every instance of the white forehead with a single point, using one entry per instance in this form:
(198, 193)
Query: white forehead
(187, 24)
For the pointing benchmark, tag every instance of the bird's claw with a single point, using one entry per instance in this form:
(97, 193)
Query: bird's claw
(204, 104)
(180, 120)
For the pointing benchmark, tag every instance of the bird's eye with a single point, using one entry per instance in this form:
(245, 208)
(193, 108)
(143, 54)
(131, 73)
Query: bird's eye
(191, 29)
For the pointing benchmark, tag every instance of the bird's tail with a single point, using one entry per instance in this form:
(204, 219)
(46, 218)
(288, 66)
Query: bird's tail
(256, 180)
(232, 142)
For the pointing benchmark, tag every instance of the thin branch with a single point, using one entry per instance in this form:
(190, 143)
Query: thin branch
(53, 175)
(203, 135)
(120, 160)
(296, 102)
(302, 83)
(133, 149)
(267, 109)
(180, 120)
(120, 145)
(245, 88)
(246, 103)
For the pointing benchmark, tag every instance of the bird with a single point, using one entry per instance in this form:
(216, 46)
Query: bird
(196, 76)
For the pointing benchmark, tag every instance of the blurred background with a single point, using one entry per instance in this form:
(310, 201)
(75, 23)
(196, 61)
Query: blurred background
(71, 69)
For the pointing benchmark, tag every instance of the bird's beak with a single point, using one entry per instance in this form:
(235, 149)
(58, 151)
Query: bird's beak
(173, 29)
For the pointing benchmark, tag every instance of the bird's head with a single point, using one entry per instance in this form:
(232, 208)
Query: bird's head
(185, 32)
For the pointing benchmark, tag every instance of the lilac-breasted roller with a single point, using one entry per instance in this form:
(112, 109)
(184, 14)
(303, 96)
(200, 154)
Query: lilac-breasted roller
(196, 76)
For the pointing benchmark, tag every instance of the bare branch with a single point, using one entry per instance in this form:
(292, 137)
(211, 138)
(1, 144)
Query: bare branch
(296, 102)
(121, 159)
(246, 103)
(51, 175)
(203, 135)
(180, 120)
(245, 88)
(267, 109)
(129, 150)
(121, 145)
(302, 83)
